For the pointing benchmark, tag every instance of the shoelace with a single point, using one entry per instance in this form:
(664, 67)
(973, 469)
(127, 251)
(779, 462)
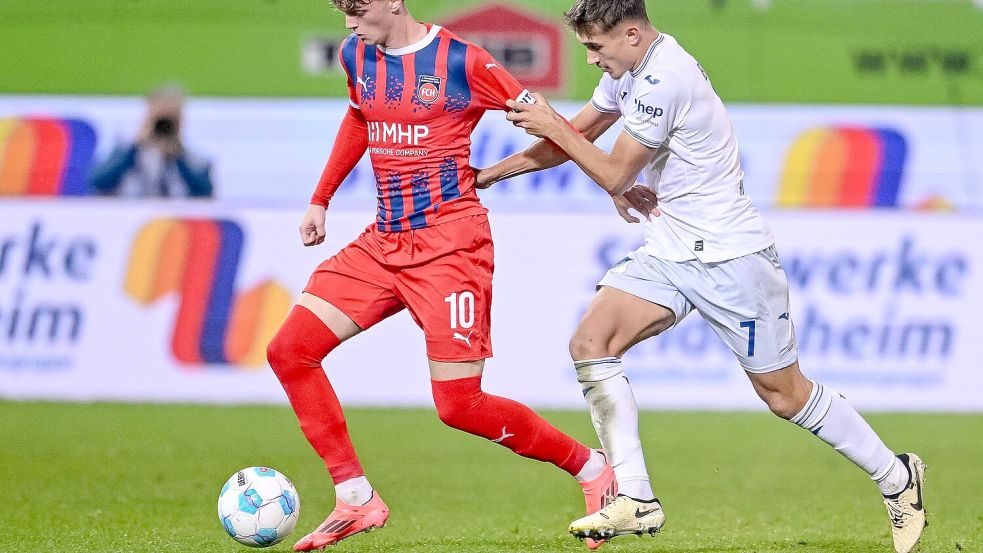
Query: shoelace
(896, 512)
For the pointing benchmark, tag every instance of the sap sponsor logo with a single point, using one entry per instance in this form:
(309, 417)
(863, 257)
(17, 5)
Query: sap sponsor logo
(42, 318)
(397, 133)
(647, 109)
(198, 259)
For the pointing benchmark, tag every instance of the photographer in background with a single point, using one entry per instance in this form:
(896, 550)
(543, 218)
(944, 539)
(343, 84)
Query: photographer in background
(158, 165)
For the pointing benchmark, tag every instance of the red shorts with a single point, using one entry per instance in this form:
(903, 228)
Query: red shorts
(442, 274)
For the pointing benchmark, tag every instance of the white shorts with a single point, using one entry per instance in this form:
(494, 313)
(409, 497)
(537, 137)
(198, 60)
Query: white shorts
(744, 300)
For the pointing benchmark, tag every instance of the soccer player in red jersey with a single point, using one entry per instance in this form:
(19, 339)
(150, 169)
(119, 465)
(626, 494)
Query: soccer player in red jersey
(416, 93)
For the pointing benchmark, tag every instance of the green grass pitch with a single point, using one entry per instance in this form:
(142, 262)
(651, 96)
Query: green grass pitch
(108, 478)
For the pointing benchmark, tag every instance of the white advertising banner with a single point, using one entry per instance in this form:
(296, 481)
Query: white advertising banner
(158, 301)
(272, 151)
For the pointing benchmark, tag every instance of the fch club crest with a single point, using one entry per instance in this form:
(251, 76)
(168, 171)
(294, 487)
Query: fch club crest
(428, 89)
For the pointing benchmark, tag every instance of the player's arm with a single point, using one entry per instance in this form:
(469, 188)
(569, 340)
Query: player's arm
(543, 154)
(349, 146)
(614, 172)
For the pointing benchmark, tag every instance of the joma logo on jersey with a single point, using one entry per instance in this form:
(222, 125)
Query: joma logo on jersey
(397, 133)
(647, 110)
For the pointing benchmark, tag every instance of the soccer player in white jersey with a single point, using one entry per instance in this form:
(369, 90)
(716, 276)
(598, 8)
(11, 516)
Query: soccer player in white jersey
(707, 249)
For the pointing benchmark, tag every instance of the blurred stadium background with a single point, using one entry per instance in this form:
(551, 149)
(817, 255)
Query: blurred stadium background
(126, 400)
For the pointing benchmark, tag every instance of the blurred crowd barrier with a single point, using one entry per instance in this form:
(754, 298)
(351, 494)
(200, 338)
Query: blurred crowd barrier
(271, 152)
(175, 301)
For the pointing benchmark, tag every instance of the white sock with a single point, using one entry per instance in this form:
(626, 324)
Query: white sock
(615, 416)
(834, 421)
(354, 491)
(592, 468)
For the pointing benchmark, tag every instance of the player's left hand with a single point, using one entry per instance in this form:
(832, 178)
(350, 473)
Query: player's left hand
(643, 200)
(639, 197)
(539, 119)
(481, 182)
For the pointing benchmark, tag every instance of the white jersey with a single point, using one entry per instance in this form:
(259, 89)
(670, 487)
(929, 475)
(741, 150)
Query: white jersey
(669, 105)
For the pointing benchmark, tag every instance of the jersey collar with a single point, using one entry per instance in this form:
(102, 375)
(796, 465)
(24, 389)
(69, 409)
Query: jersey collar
(648, 55)
(416, 46)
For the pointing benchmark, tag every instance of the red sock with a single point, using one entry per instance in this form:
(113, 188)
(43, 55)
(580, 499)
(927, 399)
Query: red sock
(461, 404)
(295, 354)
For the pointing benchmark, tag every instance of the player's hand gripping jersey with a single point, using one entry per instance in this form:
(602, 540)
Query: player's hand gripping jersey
(414, 109)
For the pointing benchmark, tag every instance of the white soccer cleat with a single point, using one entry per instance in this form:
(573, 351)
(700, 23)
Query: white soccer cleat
(622, 516)
(905, 509)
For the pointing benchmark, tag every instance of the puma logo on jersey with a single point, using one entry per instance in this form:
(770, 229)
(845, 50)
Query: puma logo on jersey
(362, 83)
(504, 435)
(490, 65)
(651, 80)
(463, 338)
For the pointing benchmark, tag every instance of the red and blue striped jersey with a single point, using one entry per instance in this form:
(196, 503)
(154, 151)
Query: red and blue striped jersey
(421, 103)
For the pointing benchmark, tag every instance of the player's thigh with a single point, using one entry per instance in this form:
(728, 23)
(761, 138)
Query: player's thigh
(746, 302)
(634, 301)
(351, 288)
(440, 370)
(449, 296)
(335, 319)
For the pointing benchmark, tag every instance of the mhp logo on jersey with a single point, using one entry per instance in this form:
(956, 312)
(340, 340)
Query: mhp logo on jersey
(428, 89)
(45, 156)
(844, 167)
(198, 259)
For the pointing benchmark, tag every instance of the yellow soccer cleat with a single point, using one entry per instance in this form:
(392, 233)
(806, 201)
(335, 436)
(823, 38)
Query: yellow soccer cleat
(905, 509)
(622, 516)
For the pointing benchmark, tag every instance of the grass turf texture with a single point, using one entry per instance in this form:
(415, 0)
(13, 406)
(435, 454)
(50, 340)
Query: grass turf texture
(104, 477)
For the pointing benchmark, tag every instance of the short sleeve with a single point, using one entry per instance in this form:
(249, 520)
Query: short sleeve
(346, 56)
(660, 101)
(492, 84)
(604, 99)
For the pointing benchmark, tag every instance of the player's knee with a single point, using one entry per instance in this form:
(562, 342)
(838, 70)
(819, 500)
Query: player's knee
(584, 345)
(451, 412)
(287, 351)
(781, 405)
(456, 401)
(277, 353)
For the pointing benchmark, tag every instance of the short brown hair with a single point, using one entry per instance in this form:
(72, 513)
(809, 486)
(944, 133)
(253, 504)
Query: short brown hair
(600, 16)
(348, 6)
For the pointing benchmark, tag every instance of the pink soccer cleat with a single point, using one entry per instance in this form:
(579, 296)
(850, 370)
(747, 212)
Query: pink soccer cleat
(597, 494)
(346, 521)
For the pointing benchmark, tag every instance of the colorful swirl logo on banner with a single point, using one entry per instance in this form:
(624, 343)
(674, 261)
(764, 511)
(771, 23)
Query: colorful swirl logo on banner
(844, 167)
(198, 259)
(45, 157)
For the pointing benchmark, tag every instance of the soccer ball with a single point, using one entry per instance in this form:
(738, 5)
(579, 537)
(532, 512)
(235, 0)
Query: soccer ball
(258, 506)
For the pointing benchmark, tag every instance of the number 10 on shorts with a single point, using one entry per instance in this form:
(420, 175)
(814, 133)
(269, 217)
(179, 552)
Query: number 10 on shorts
(462, 309)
